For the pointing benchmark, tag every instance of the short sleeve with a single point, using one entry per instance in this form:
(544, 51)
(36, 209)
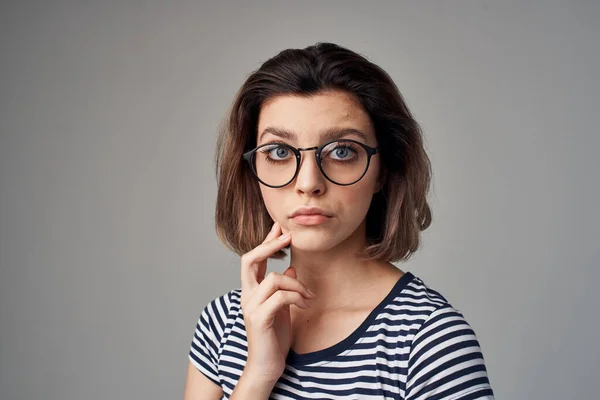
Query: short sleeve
(204, 349)
(445, 360)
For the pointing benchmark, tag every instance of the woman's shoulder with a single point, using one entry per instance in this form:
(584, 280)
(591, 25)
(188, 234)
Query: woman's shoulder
(217, 321)
(425, 305)
(441, 336)
(224, 307)
(219, 317)
(417, 289)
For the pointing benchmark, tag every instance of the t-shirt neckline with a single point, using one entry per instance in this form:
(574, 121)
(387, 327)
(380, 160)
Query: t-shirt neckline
(295, 359)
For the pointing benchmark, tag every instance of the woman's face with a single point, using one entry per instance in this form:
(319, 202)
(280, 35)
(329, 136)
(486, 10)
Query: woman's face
(307, 118)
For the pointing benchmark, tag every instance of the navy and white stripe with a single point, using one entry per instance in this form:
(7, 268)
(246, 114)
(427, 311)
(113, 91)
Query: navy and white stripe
(413, 345)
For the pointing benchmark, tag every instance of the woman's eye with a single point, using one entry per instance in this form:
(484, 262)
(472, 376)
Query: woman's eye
(340, 153)
(276, 152)
(281, 152)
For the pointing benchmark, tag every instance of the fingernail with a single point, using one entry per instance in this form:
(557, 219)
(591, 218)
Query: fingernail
(284, 236)
(311, 293)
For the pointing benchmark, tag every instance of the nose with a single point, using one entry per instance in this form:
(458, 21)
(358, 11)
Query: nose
(309, 179)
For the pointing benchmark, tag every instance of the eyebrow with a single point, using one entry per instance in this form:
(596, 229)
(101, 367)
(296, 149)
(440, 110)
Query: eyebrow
(326, 135)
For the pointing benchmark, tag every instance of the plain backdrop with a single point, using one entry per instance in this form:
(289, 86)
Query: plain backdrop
(108, 119)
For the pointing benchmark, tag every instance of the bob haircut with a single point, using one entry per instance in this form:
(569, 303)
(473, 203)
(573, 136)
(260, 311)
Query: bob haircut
(398, 211)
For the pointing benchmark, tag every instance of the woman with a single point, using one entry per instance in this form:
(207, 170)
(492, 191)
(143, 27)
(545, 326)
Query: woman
(320, 155)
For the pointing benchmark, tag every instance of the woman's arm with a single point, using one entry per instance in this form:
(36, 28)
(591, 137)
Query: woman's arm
(199, 387)
(446, 361)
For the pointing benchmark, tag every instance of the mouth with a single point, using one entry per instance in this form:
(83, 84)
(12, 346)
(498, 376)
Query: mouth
(310, 219)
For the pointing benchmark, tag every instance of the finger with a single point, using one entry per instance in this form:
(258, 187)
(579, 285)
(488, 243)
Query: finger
(266, 312)
(277, 282)
(290, 271)
(267, 249)
(261, 267)
(258, 254)
(246, 274)
(273, 233)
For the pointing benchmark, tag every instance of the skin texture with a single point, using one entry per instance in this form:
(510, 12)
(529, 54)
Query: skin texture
(324, 255)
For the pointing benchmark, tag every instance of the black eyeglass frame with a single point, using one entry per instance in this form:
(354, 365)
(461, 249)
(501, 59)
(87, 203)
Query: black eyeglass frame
(249, 154)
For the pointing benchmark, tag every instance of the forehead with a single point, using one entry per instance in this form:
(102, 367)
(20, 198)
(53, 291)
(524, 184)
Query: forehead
(308, 117)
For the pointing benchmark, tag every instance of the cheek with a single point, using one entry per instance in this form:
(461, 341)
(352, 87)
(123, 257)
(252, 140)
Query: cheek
(360, 199)
(273, 200)
(362, 191)
(355, 201)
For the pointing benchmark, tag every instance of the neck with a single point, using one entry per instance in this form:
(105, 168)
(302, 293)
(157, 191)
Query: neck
(338, 278)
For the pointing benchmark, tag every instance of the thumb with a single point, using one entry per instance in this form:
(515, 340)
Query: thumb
(291, 271)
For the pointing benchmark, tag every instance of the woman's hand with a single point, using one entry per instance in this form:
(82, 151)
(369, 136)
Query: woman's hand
(266, 308)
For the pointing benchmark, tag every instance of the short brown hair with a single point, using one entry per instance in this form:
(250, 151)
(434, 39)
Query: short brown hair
(398, 212)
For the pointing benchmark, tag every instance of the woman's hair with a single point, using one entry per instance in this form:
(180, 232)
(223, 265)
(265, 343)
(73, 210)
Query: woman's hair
(398, 212)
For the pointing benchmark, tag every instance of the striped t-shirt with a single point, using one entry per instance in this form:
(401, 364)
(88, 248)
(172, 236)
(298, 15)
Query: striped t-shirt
(413, 345)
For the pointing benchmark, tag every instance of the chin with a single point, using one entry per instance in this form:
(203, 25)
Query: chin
(312, 240)
(313, 247)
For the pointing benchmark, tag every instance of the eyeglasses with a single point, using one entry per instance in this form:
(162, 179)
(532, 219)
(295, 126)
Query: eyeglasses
(343, 162)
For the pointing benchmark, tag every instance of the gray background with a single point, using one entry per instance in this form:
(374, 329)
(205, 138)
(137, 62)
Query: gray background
(108, 118)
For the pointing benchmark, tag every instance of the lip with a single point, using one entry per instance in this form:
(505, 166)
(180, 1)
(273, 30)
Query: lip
(310, 211)
(310, 219)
